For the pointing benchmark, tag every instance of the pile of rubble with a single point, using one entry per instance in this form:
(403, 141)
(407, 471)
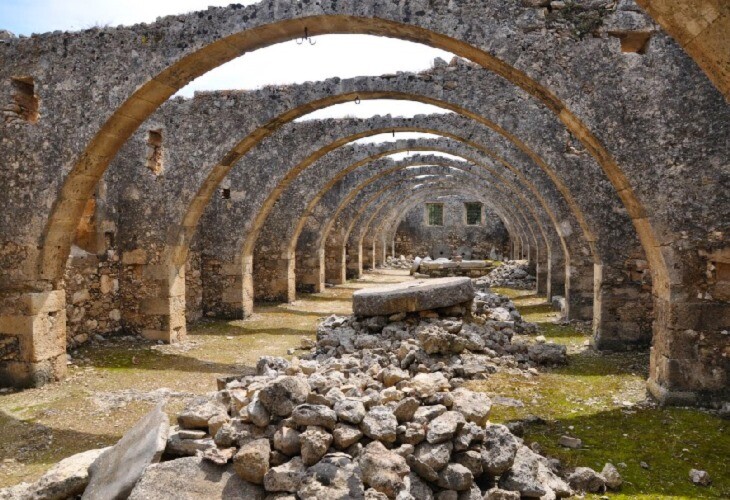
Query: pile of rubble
(512, 274)
(401, 262)
(376, 409)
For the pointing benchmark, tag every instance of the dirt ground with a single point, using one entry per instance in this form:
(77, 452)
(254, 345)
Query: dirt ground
(598, 398)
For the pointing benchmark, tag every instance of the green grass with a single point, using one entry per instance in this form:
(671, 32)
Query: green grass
(602, 400)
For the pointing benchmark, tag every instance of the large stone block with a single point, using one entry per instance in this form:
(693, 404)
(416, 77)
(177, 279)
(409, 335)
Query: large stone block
(193, 478)
(412, 296)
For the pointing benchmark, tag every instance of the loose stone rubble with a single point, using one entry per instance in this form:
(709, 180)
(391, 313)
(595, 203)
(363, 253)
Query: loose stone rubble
(376, 409)
(401, 262)
(513, 274)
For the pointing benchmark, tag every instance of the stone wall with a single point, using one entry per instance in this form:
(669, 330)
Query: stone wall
(415, 237)
(93, 299)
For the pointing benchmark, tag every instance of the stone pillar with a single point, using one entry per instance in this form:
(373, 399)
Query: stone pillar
(161, 313)
(223, 290)
(556, 285)
(691, 344)
(380, 252)
(335, 264)
(688, 360)
(32, 338)
(368, 256)
(310, 271)
(392, 248)
(542, 273)
(579, 288)
(532, 260)
(622, 311)
(354, 261)
(274, 277)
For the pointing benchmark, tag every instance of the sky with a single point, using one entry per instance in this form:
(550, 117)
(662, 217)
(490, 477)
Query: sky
(333, 55)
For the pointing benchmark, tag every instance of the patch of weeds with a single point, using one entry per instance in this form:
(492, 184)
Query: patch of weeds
(601, 399)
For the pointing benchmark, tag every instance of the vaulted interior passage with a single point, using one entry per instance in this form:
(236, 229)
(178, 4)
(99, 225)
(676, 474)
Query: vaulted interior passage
(200, 172)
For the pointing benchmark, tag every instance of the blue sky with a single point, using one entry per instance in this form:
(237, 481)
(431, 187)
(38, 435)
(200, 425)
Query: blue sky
(333, 55)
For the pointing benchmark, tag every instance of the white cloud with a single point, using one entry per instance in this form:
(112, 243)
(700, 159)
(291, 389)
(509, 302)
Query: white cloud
(380, 138)
(403, 156)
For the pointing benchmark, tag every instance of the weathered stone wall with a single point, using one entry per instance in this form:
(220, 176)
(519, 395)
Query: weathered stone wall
(93, 300)
(415, 237)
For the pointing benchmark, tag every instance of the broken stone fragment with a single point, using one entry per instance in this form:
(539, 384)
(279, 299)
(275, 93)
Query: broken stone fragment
(333, 477)
(586, 479)
(66, 479)
(500, 449)
(699, 477)
(383, 470)
(412, 296)
(405, 409)
(444, 427)
(178, 447)
(318, 415)
(611, 476)
(199, 411)
(570, 442)
(315, 443)
(455, 477)
(475, 406)
(280, 396)
(286, 477)
(380, 424)
(551, 354)
(346, 435)
(287, 441)
(252, 461)
(350, 410)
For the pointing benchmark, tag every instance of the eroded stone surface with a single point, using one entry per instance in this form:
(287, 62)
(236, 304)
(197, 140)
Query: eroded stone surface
(412, 296)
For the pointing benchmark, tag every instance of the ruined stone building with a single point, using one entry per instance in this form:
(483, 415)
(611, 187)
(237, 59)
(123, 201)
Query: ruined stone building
(593, 142)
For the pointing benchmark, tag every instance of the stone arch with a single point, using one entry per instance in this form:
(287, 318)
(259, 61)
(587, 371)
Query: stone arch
(676, 267)
(404, 201)
(357, 199)
(337, 225)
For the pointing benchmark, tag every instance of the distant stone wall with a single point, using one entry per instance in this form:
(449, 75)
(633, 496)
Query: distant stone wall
(415, 237)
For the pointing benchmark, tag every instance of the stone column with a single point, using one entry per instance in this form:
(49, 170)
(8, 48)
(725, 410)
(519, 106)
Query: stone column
(542, 273)
(162, 311)
(621, 310)
(310, 271)
(335, 264)
(690, 344)
(368, 255)
(354, 261)
(223, 289)
(274, 277)
(579, 288)
(32, 338)
(557, 275)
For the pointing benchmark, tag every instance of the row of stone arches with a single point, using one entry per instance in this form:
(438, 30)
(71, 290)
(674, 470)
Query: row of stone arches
(587, 136)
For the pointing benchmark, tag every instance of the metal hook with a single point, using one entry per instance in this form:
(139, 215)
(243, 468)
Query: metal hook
(306, 37)
(357, 100)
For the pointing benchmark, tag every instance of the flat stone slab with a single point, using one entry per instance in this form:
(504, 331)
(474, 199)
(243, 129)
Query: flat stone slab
(193, 478)
(465, 264)
(117, 470)
(412, 296)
